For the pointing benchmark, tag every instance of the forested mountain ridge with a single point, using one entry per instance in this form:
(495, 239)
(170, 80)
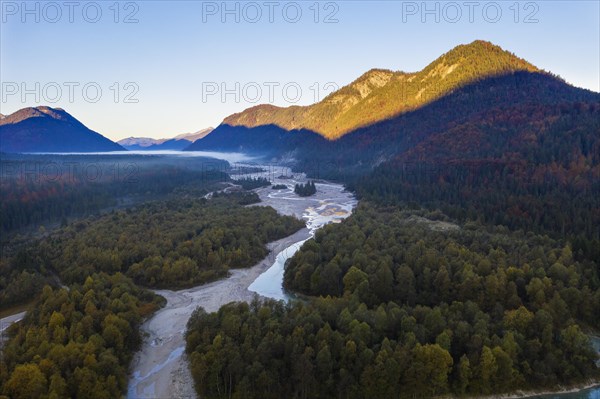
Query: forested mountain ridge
(381, 94)
(531, 167)
(526, 105)
(45, 129)
(539, 100)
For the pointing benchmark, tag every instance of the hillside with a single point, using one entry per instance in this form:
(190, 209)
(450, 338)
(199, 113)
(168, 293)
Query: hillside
(447, 124)
(45, 129)
(457, 125)
(381, 94)
(267, 140)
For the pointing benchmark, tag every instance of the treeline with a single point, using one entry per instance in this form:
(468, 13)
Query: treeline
(332, 348)
(250, 183)
(305, 190)
(77, 342)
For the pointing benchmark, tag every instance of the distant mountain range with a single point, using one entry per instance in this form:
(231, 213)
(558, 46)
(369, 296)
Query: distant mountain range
(45, 129)
(178, 142)
(475, 102)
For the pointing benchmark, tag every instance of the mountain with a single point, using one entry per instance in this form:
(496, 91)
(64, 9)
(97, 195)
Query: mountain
(139, 142)
(449, 123)
(195, 136)
(380, 94)
(45, 129)
(459, 124)
(268, 140)
(485, 119)
(163, 144)
(178, 142)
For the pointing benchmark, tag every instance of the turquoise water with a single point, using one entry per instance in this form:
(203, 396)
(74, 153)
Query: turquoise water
(331, 204)
(592, 393)
(596, 345)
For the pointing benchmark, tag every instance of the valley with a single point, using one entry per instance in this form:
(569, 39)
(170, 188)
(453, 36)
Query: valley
(417, 234)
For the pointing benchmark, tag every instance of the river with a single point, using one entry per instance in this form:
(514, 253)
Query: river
(330, 205)
(159, 369)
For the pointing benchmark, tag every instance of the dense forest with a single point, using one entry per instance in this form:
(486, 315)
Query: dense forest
(417, 260)
(544, 200)
(305, 190)
(167, 244)
(52, 190)
(332, 348)
(173, 244)
(411, 306)
(20, 284)
(77, 342)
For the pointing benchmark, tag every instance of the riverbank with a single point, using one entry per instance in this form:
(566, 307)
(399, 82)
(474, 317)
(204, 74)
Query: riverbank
(160, 368)
(567, 392)
(6, 322)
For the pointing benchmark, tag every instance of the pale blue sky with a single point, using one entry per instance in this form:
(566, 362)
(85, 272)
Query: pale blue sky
(179, 52)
